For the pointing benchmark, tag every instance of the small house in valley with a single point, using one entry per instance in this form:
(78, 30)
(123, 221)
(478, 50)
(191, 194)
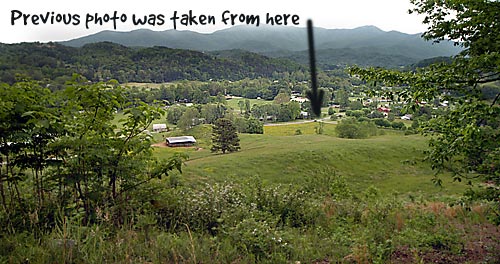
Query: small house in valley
(385, 110)
(159, 127)
(184, 141)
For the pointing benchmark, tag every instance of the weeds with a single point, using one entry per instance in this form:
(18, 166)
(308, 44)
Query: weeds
(322, 220)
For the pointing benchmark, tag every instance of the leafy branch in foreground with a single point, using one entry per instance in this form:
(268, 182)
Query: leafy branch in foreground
(61, 154)
(466, 137)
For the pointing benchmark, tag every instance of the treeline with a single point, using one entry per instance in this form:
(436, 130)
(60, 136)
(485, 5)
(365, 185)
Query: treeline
(215, 91)
(186, 118)
(105, 61)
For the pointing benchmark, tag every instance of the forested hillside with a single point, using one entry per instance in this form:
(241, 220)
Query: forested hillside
(104, 61)
(363, 46)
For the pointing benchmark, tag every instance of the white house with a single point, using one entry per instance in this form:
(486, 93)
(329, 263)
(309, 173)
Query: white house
(159, 127)
(407, 117)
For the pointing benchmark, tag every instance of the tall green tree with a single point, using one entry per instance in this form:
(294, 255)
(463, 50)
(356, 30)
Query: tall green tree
(189, 119)
(224, 136)
(174, 113)
(212, 112)
(466, 137)
(241, 105)
(247, 107)
(342, 98)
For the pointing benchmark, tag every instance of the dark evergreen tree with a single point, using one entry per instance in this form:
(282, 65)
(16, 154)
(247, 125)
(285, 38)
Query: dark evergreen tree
(224, 136)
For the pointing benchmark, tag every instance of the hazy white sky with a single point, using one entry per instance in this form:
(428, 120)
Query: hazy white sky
(385, 14)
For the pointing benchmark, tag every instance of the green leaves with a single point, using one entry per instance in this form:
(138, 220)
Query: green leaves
(466, 133)
(72, 150)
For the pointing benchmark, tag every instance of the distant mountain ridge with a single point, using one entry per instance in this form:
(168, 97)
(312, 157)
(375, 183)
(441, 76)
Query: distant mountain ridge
(106, 60)
(342, 46)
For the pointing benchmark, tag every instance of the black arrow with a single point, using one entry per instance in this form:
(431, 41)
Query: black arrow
(314, 95)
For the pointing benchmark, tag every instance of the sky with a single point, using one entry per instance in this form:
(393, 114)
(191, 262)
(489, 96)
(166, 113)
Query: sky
(385, 14)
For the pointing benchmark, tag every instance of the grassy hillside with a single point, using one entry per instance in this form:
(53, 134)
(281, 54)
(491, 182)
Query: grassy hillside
(390, 162)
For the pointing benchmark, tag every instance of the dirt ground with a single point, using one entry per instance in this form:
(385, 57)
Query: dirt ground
(164, 145)
(160, 145)
(482, 246)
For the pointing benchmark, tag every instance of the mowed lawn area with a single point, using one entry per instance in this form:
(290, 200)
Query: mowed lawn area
(391, 162)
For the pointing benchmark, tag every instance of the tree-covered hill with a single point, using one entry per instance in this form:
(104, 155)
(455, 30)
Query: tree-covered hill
(364, 46)
(105, 60)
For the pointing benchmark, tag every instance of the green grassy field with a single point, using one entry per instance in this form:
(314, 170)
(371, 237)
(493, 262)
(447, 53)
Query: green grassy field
(305, 128)
(391, 162)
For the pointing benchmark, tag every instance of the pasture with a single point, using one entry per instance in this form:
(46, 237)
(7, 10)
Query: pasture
(391, 162)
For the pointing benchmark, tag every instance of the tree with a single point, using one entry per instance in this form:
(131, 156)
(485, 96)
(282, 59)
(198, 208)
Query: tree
(224, 136)
(62, 153)
(466, 137)
(241, 105)
(254, 126)
(174, 113)
(294, 109)
(355, 105)
(247, 107)
(282, 98)
(331, 111)
(212, 112)
(342, 98)
(189, 119)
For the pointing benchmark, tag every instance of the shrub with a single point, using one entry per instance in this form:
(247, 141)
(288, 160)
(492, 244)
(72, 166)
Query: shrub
(381, 122)
(355, 105)
(258, 237)
(398, 125)
(375, 114)
(331, 111)
(351, 128)
(363, 119)
(355, 113)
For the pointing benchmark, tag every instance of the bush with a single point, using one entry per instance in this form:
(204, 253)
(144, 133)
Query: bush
(331, 111)
(351, 128)
(381, 122)
(363, 119)
(355, 113)
(355, 105)
(248, 125)
(375, 114)
(398, 125)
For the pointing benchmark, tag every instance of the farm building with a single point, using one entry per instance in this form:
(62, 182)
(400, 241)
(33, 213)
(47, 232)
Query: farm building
(184, 141)
(159, 127)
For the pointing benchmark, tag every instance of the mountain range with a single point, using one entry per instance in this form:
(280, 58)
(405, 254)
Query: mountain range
(364, 46)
